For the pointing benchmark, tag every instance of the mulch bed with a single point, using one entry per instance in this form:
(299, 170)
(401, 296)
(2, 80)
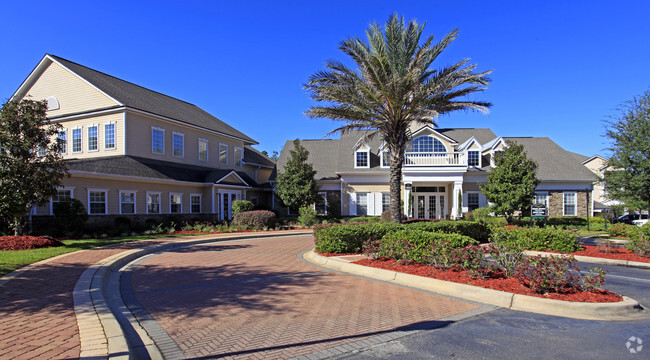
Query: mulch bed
(26, 242)
(617, 254)
(496, 281)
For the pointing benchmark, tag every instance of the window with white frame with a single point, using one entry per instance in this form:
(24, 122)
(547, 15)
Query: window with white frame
(427, 144)
(473, 158)
(203, 150)
(64, 194)
(62, 139)
(321, 203)
(195, 203)
(385, 202)
(76, 140)
(93, 138)
(385, 159)
(127, 202)
(361, 159)
(153, 203)
(178, 144)
(570, 203)
(175, 203)
(223, 154)
(157, 140)
(96, 201)
(541, 198)
(238, 157)
(472, 201)
(362, 204)
(109, 136)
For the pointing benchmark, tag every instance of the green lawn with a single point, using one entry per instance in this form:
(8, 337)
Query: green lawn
(11, 260)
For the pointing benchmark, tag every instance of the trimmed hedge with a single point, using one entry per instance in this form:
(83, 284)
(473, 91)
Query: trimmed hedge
(541, 239)
(348, 238)
(420, 245)
(473, 229)
(255, 219)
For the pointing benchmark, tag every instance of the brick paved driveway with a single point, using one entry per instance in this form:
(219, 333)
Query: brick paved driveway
(256, 299)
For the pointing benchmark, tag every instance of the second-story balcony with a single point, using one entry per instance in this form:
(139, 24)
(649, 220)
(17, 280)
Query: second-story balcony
(435, 159)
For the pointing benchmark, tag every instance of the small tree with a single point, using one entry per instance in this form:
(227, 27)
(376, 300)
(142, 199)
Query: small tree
(511, 184)
(31, 164)
(628, 169)
(239, 206)
(296, 186)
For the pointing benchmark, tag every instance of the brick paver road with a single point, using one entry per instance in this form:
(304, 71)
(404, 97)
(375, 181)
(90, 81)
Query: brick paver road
(255, 299)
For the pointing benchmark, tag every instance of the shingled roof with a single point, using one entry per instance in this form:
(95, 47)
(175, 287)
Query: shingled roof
(138, 97)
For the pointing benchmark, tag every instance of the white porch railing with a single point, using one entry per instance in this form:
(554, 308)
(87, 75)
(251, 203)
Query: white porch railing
(434, 159)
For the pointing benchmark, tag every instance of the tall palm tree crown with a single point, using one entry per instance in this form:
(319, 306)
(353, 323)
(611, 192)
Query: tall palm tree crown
(393, 88)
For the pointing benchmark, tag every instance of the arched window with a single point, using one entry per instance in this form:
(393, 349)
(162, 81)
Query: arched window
(427, 144)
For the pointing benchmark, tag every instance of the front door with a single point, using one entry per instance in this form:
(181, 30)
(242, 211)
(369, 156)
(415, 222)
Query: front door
(226, 198)
(430, 206)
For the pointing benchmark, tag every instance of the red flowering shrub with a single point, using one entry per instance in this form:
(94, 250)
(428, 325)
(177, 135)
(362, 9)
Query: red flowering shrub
(27, 242)
(558, 275)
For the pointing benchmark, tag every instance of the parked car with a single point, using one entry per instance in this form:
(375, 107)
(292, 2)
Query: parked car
(641, 221)
(630, 218)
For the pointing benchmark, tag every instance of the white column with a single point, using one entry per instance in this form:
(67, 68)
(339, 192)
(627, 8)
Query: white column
(406, 198)
(458, 188)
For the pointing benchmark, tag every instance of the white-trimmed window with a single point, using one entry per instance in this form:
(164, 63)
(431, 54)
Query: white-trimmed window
(238, 157)
(175, 203)
(62, 139)
(362, 159)
(321, 203)
(127, 202)
(427, 144)
(223, 154)
(76, 139)
(93, 138)
(362, 204)
(472, 201)
(153, 202)
(570, 203)
(385, 202)
(41, 151)
(178, 144)
(473, 158)
(97, 201)
(195, 203)
(541, 198)
(203, 150)
(109, 136)
(157, 140)
(385, 159)
(62, 194)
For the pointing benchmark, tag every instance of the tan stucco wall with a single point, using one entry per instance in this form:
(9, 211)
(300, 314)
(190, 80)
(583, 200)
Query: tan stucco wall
(74, 94)
(138, 130)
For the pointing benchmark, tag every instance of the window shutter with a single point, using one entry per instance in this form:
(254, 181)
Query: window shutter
(465, 204)
(371, 204)
(378, 203)
(353, 204)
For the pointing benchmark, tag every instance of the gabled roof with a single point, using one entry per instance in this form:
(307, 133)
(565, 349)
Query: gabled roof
(468, 143)
(586, 160)
(435, 131)
(253, 157)
(138, 167)
(461, 135)
(140, 98)
(492, 143)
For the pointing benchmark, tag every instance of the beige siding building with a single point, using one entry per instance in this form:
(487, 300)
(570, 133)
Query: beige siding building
(137, 153)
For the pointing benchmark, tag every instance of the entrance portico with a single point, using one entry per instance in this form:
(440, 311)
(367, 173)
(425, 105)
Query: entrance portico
(429, 196)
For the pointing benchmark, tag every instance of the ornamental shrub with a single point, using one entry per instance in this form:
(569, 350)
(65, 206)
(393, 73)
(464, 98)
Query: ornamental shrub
(239, 206)
(558, 275)
(622, 230)
(70, 217)
(424, 246)
(640, 241)
(256, 219)
(385, 216)
(476, 230)
(543, 239)
(308, 216)
(349, 238)
(363, 219)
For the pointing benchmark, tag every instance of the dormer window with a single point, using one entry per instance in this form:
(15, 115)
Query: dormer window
(362, 159)
(427, 144)
(473, 158)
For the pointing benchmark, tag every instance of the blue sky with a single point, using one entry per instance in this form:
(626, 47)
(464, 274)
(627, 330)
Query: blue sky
(560, 67)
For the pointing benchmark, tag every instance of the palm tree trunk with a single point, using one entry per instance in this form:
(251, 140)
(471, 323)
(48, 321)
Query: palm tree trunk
(395, 187)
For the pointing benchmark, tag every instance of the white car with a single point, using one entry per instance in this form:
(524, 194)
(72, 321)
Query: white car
(640, 222)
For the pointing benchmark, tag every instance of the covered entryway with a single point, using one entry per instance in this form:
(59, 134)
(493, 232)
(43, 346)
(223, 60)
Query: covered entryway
(430, 205)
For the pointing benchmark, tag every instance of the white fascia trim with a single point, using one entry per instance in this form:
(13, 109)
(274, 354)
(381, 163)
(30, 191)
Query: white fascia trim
(361, 173)
(31, 78)
(84, 80)
(232, 186)
(468, 144)
(89, 114)
(594, 157)
(428, 127)
(178, 122)
(126, 177)
(230, 173)
(256, 164)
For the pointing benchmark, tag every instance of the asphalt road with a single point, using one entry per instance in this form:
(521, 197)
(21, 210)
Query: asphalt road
(506, 334)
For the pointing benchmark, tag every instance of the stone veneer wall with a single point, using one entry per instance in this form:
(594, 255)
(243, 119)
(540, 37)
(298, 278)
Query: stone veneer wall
(556, 203)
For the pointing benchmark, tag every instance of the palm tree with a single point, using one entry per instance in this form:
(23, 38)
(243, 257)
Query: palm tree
(393, 88)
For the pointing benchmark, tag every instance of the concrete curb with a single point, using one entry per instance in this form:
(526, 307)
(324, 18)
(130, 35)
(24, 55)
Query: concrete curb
(101, 312)
(628, 309)
(593, 260)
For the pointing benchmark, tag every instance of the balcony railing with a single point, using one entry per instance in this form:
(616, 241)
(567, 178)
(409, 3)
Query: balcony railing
(434, 159)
